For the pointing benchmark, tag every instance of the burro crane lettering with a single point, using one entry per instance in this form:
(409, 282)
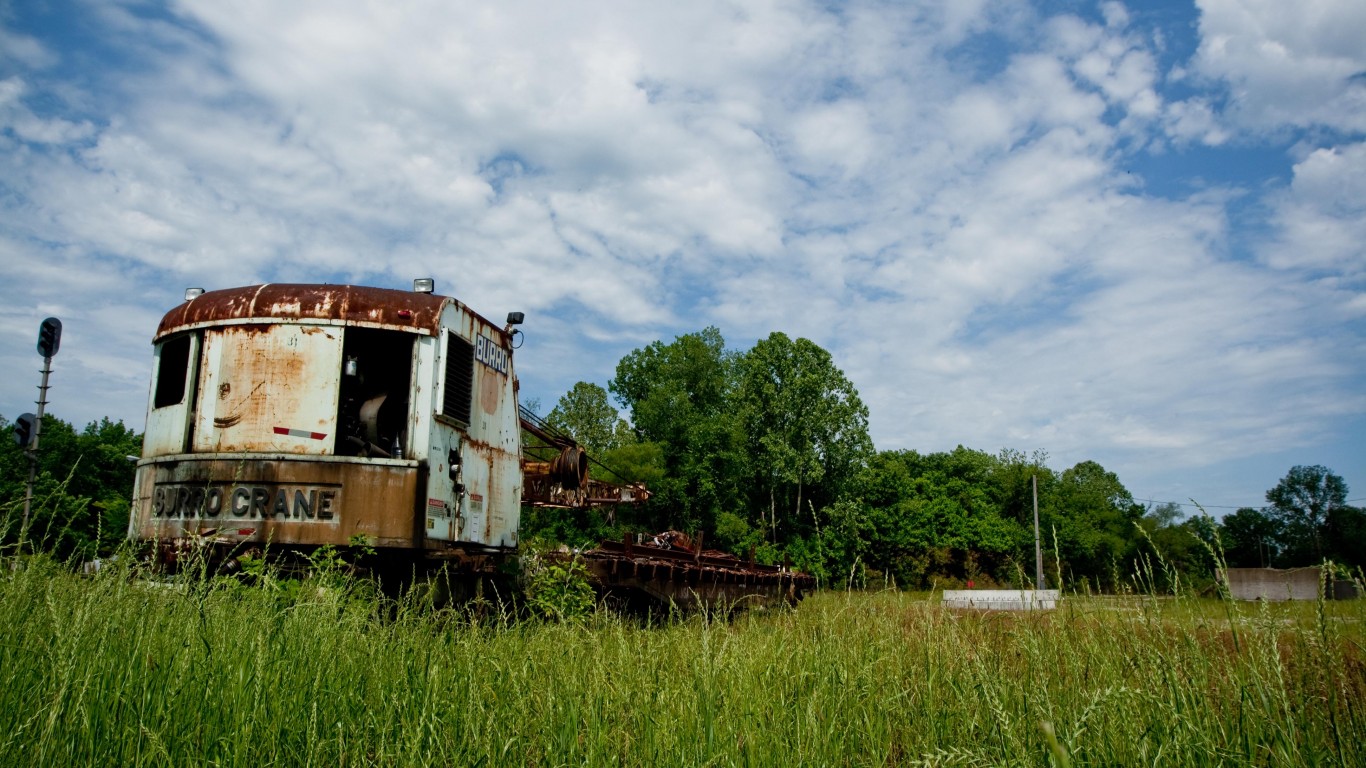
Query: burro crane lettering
(294, 503)
(488, 352)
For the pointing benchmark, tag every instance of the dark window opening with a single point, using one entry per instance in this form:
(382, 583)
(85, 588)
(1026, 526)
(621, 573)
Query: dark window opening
(376, 377)
(173, 372)
(459, 378)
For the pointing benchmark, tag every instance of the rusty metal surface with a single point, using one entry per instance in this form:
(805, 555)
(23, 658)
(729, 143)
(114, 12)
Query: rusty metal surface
(541, 488)
(376, 307)
(269, 389)
(556, 473)
(474, 498)
(278, 500)
(266, 378)
(670, 569)
(491, 494)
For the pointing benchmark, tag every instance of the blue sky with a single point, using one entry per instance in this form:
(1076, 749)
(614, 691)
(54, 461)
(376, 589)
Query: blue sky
(1131, 234)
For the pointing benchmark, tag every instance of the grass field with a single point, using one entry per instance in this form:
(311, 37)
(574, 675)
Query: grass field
(111, 671)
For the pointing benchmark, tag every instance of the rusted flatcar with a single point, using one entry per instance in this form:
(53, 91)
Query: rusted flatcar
(288, 417)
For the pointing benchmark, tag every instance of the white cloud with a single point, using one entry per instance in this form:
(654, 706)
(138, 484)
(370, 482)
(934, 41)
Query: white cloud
(1116, 15)
(1287, 64)
(27, 126)
(25, 50)
(935, 192)
(1194, 120)
(835, 137)
(1116, 62)
(1321, 218)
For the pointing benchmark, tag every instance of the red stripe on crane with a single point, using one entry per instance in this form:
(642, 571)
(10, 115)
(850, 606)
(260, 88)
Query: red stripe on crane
(299, 433)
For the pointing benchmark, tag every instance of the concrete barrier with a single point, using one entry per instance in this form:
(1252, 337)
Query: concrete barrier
(1002, 599)
(1274, 583)
(1288, 584)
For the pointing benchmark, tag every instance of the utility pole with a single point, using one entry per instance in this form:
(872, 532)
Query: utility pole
(28, 431)
(1038, 550)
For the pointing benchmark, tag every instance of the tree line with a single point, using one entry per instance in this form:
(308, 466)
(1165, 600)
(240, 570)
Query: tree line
(82, 491)
(767, 453)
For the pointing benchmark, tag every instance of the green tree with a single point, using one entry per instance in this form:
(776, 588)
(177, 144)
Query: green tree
(927, 517)
(1179, 543)
(1095, 516)
(1012, 478)
(585, 413)
(1250, 538)
(1345, 534)
(806, 430)
(679, 397)
(634, 462)
(669, 387)
(83, 489)
(1302, 502)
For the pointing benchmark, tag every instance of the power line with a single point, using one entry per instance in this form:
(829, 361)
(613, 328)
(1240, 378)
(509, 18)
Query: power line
(1218, 506)
(1193, 504)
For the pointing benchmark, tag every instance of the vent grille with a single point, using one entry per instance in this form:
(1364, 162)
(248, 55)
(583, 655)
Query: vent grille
(459, 378)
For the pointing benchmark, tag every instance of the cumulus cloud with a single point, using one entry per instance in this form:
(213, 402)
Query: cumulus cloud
(938, 193)
(1287, 64)
(1321, 218)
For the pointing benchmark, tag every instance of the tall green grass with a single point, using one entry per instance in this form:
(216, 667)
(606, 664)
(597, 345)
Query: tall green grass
(115, 670)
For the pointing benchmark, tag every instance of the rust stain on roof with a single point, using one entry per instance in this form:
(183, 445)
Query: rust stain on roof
(406, 310)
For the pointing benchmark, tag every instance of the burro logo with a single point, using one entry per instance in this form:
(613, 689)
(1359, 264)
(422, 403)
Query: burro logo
(263, 501)
(489, 353)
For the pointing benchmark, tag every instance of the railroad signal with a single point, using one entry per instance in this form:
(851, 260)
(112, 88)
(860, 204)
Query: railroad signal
(23, 430)
(49, 337)
(28, 427)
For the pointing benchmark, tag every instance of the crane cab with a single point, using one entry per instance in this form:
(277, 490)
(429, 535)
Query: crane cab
(302, 415)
